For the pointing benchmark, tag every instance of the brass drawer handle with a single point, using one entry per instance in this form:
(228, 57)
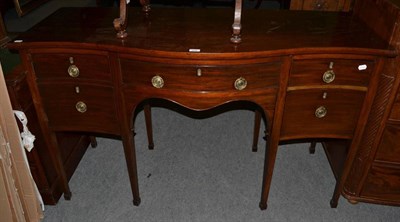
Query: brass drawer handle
(81, 107)
(240, 83)
(73, 71)
(157, 81)
(328, 76)
(321, 112)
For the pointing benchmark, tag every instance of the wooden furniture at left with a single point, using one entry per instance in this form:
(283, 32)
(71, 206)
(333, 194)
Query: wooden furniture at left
(72, 146)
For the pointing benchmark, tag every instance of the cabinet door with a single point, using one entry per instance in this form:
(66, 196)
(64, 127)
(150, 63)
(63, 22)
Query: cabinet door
(383, 184)
(389, 149)
(383, 179)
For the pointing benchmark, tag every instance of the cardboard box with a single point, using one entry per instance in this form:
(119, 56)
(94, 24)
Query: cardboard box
(18, 198)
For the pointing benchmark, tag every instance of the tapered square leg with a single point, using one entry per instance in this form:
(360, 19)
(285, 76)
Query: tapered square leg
(149, 125)
(334, 203)
(256, 131)
(263, 206)
(312, 147)
(67, 196)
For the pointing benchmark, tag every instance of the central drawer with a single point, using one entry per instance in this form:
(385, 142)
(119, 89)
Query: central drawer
(331, 113)
(201, 77)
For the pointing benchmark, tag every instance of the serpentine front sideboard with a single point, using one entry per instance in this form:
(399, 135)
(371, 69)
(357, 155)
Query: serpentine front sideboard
(329, 77)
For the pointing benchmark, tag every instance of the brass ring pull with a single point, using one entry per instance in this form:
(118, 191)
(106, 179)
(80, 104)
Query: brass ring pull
(321, 112)
(240, 83)
(157, 82)
(81, 107)
(328, 76)
(73, 71)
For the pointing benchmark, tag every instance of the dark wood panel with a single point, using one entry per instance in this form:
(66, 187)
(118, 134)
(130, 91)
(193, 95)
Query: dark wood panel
(395, 114)
(336, 151)
(389, 148)
(60, 101)
(383, 183)
(299, 117)
(386, 11)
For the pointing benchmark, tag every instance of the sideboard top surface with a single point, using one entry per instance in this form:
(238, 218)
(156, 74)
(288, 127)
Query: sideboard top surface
(181, 29)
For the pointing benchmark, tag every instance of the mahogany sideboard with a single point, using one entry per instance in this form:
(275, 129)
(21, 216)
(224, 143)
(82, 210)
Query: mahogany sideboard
(318, 76)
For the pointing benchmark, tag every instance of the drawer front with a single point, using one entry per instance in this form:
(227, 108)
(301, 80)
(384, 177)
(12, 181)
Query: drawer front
(307, 114)
(92, 109)
(389, 148)
(319, 72)
(200, 78)
(78, 66)
(383, 183)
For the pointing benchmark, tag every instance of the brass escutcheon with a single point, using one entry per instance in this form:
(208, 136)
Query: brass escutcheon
(157, 81)
(321, 112)
(81, 107)
(328, 76)
(324, 95)
(240, 83)
(73, 71)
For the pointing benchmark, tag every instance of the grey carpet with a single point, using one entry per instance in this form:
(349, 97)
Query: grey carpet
(204, 170)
